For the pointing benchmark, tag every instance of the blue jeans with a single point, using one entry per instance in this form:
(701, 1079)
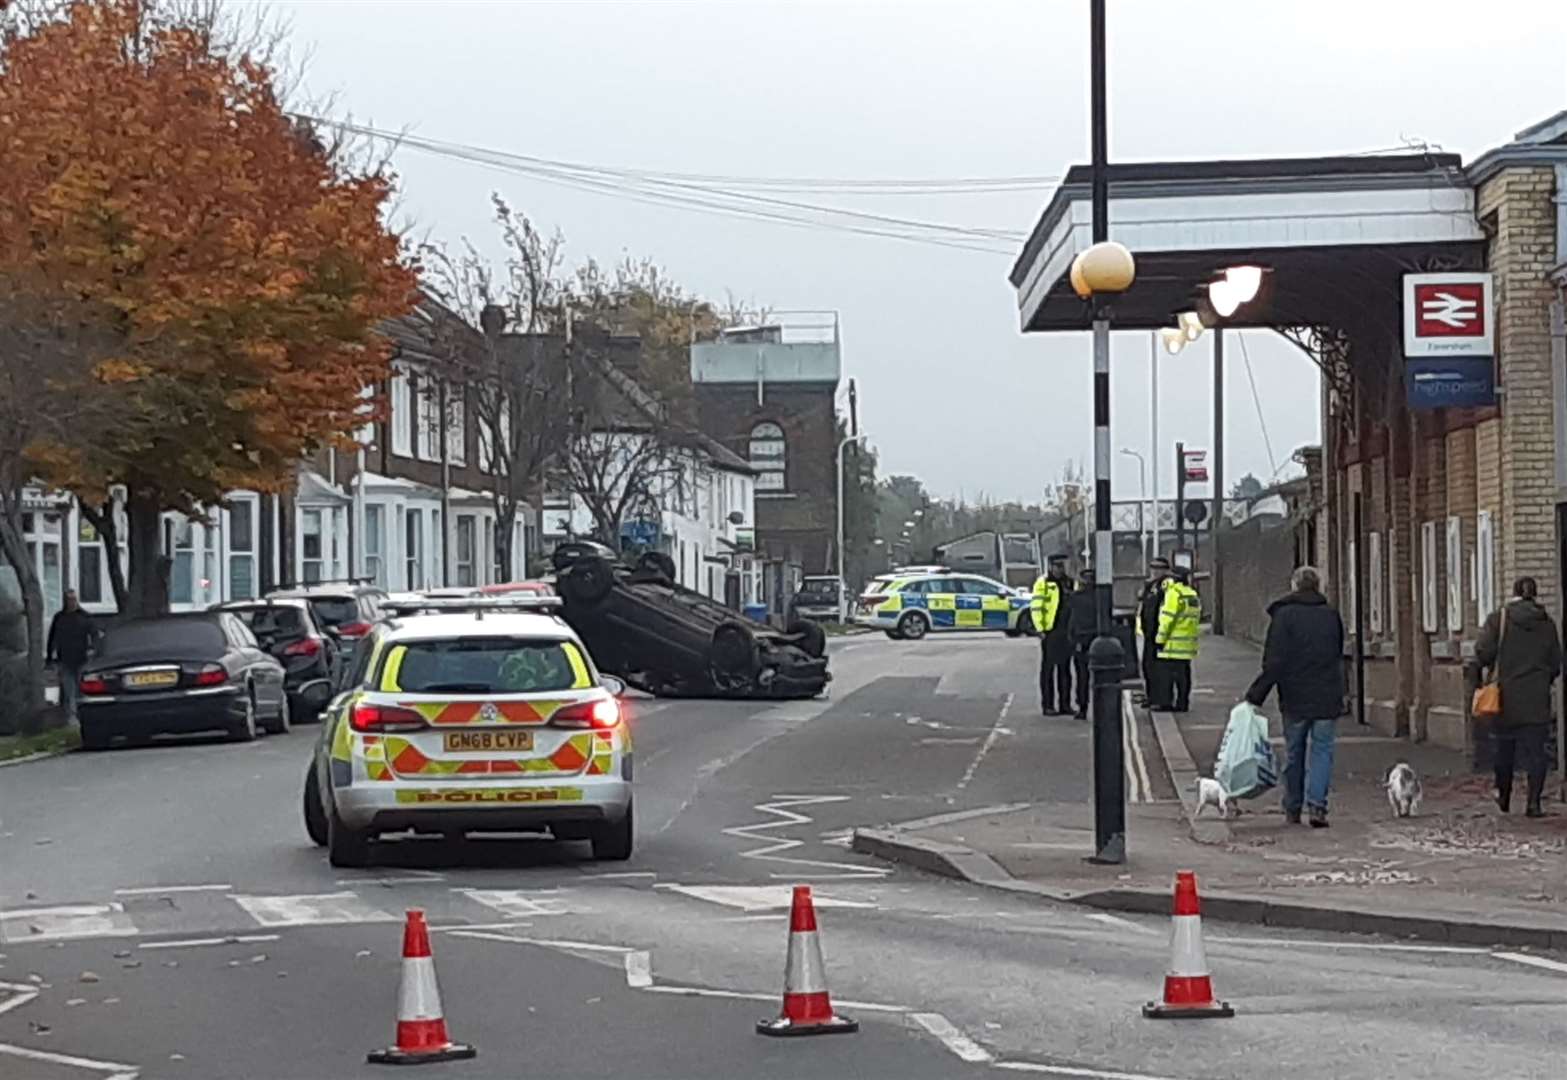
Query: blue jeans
(1300, 778)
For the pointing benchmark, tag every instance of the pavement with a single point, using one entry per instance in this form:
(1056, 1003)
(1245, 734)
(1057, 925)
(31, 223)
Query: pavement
(162, 914)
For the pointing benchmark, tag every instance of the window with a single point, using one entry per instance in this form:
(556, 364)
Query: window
(402, 417)
(1430, 618)
(466, 537)
(90, 586)
(183, 545)
(311, 550)
(375, 531)
(768, 456)
(1455, 581)
(242, 550)
(981, 587)
(413, 550)
(1485, 575)
(485, 666)
(427, 437)
(456, 429)
(178, 635)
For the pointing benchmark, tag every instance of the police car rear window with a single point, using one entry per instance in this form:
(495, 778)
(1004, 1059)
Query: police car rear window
(482, 666)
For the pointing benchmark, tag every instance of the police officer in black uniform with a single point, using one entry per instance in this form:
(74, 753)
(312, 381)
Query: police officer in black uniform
(1148, 619)
(1055, 675)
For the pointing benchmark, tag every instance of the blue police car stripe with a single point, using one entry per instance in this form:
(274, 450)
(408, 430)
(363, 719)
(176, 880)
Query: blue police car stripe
(969, 603)
(996, 618)
(914, 600)
(944, 618)
(1019, 602)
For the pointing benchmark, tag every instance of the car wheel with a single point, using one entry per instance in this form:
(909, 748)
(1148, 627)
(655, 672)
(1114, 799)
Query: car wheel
(893, 634)
(612, 840)
(914, 625)
(315, 813)
(95, 736)
(279, 724)
(656, 562)
(813, 639)
(734, 651)
(345, 847)
(1025, 623)
(588, 581)
(245, 730)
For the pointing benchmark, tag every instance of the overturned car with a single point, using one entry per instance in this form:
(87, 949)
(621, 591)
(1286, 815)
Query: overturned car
(667, 640)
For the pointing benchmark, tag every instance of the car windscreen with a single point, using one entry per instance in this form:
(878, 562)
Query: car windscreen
(484, 666)
(335, 610)
(272, 622)
(172, 638)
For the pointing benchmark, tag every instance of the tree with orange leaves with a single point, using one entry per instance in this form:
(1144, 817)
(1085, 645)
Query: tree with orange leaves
(237, 271)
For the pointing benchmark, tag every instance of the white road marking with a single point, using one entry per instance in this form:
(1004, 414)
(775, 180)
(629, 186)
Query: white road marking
(961, 815)
(744, 995)
(952, 1038)
(453, 927)
(188, 943)
(990, 740)
(619, 874)
(1075, 1070)
(66, 1059)
(21, 993)
(639, 970)
(549, 943)
(524, 903)
(65, 921)
(1134, 792)
(1131, 726)
(158, 890)
(779, 807)
(1461, 950)
(758, 897)
(389, 881)
(311, 910)
(1532, 961)
(1116, 920)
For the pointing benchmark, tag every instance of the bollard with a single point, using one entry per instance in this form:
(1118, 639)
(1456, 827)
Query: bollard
(1106, 659)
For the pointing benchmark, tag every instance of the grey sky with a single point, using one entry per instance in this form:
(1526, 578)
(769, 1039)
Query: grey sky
(951, 391)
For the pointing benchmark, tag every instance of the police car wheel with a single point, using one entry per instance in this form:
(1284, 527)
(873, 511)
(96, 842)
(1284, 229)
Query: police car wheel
(913, 626)
(893, 634)
(315, 813)
(345, 847)
(612, 840)
(1025, 623)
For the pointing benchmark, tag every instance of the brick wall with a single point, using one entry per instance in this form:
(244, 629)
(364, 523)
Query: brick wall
(1258, 556)
(1519, 202)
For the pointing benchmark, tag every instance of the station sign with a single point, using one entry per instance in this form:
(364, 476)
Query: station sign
(1449, 340)
(1459, 382)
(1195, 466)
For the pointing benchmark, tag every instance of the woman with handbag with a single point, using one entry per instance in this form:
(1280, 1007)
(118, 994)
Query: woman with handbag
(1521, 652)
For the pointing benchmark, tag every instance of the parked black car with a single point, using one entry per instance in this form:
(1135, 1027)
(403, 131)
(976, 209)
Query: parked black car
(287, 628)
(665, 639)
(180, 674)
(346, 610)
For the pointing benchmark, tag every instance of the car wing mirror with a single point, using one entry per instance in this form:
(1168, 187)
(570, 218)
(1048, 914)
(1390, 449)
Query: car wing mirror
(614, 684)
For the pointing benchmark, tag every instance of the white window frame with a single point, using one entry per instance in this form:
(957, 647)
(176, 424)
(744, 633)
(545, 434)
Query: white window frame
(466, 568)
(211, 561)
(456, 428)
(1430, 613)
(427, 424)
(1485, 577)
(772, 470)
(1455, 574)
(321, 516)
(247, 555)
(414, 526)
(375, 552)
(401, 417)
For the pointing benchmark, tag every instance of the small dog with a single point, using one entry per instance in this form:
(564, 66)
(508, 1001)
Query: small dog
(1403, 789)
(1211, 793)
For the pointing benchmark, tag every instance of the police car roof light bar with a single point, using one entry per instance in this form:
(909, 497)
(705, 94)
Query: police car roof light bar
(475, 605)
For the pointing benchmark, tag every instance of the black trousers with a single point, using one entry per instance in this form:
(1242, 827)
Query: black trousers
(1080, 668)
(1150, 666)
(1521, 746)
(1172, 687)
(1055, 672)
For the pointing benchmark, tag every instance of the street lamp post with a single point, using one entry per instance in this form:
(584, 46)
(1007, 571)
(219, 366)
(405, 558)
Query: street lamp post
(842, 597)
(1142, 503)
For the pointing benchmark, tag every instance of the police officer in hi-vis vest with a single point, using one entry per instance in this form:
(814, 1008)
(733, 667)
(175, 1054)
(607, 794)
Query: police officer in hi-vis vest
(1048, 611)
(1179, 615)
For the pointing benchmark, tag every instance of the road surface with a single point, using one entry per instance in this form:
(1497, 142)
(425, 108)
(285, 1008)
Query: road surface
(162, 914)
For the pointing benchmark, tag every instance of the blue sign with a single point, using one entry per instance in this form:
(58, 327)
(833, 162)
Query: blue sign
(639, 533)
(1457, 382)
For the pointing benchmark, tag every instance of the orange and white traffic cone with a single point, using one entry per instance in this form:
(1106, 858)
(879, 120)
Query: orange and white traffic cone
(807, 1009)
(1188, 991)
(421, 1025)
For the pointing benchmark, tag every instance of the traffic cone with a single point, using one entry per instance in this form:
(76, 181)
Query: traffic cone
(1188, 991)
(421, 1025)
(807, 1010)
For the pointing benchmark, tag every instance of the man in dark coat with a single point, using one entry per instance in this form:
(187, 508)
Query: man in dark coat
(1083, 626)
(1055, 672)
(1148, 602)
(1304, 660)
(1521, 649)
(70, 634)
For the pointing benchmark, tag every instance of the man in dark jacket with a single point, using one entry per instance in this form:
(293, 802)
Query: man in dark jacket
(1083, 626)
(1055, 672)
(1148, 603)
(1304, 660)
(70, 633)
(1523, 652)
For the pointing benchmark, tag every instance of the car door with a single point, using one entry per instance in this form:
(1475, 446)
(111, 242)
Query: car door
(941, 599)
(989, 601)
(266, 674)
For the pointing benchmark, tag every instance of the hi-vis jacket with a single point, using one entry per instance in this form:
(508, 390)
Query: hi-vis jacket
(1178, 618)
(1045, 604)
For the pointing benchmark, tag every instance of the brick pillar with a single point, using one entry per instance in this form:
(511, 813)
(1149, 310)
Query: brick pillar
(1403, 532)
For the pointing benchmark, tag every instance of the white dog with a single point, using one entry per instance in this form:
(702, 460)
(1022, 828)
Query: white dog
(1211, 793)
(1403, 789)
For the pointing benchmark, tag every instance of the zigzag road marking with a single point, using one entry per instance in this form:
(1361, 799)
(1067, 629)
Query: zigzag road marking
(779, 809)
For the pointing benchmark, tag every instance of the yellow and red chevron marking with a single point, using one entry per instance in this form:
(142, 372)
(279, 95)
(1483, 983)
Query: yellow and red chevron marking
(378, 770)
(474, 712)
(407, 760)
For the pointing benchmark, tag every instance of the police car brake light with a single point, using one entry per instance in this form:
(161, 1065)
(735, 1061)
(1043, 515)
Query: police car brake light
(380, 718)
(601, 713)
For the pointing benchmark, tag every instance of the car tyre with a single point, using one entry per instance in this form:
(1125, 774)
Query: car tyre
(893, 634)
(245, 730)
(279, 724)
(734, 651)
(813, 639)
(315, 813)
(588, 581)
(658, 563)
(1025, 624)
(345, 847)
(914, 625)
(612, 840)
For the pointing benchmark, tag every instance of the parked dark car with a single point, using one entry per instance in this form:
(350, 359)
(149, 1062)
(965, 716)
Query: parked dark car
(346, 610)
(287, 628)
(180, 674)
(817, 598)
(665, 639)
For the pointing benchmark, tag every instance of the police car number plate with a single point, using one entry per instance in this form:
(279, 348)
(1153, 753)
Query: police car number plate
(458, 742)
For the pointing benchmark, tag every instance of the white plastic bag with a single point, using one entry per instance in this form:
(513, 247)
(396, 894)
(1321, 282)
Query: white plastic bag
(1246, 765)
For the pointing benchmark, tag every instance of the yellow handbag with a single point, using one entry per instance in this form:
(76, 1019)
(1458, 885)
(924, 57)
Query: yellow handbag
(1487, 703)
